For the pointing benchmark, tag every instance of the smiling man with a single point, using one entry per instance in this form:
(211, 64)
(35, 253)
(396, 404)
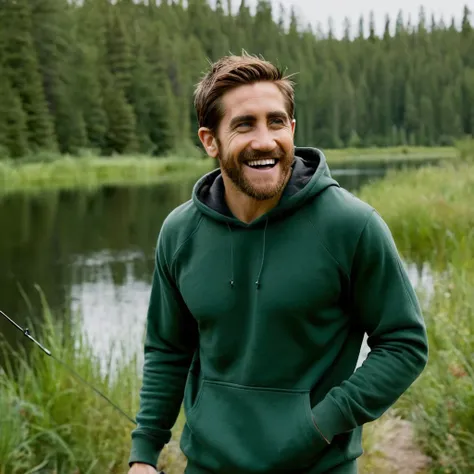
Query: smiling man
(255, 146)
(264, 285)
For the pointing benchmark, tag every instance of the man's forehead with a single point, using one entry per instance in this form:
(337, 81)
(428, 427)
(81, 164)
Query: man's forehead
(254, 106)
(254, 97)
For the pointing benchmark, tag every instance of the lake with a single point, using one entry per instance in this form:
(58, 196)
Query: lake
(92, 253)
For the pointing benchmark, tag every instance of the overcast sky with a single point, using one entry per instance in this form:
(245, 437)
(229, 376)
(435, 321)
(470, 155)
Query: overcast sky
(315, 11)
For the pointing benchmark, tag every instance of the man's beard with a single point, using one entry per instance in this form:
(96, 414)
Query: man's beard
(234, 170)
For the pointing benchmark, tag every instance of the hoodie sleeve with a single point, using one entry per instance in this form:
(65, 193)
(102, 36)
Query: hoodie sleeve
(171, 337)
(386, 306)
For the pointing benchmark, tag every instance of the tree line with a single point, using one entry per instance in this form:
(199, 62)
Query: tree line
(118, 77)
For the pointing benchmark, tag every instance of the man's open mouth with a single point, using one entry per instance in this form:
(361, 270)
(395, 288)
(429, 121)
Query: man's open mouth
(262, 164)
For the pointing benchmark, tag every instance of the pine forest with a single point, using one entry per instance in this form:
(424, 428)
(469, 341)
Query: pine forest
(118, 77)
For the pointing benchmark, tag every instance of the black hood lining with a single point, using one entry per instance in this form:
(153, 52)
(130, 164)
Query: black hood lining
(212, 190)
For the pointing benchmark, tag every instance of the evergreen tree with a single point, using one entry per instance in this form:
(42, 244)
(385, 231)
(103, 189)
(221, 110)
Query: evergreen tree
(120, 136)
(372, 36)
(427, 126)
(411, 119)
(119, 56)
(218, 33)
(466, 22)
(347, 30)
(53, 35)
(13, 127)
(195, 60)
(450, 118)
(264, 26)
(20, 63)
(363, 110)
(399, 27)
(468, 102)
(467, 38)
(348, 110)
(89, 98)
(164, 118)
(386, 33)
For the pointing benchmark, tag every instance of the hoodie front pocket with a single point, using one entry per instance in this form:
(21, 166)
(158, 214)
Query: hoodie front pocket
(246, 429)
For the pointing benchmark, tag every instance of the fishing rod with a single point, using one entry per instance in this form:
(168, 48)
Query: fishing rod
(26, 332)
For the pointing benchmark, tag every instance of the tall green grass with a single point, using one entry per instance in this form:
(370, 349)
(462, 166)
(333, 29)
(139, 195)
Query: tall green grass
(94, 172)
(430, 212)
(54, 421)
(441, 404)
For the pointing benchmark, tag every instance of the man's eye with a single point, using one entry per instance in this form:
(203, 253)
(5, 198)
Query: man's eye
(278, 121)
(244, 125)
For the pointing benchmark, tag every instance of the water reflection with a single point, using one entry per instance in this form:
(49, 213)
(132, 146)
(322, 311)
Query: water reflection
(59, 240)
(112, 308)
(92, 253)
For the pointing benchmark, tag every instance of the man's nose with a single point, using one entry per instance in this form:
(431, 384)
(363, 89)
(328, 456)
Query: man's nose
(264, 140)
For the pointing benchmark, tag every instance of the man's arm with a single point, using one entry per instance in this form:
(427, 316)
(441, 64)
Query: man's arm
(385, 305)
(171, 339)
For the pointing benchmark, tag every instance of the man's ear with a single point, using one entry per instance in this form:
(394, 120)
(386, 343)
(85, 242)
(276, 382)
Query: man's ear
(208, 141)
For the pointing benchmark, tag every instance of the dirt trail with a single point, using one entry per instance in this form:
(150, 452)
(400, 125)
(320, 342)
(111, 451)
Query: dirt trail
(392, 449)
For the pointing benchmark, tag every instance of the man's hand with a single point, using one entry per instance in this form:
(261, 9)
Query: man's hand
(140, 468)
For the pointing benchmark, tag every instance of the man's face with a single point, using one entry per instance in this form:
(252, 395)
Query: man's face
(255, 140)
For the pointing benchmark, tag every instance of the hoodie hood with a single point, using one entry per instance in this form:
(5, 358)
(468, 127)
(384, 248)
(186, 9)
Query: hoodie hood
(310, 176)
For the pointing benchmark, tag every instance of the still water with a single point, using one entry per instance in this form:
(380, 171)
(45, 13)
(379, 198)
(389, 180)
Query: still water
(92, 254)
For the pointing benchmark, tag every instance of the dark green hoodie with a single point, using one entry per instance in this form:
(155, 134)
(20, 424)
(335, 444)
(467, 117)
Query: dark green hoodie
(258, 327)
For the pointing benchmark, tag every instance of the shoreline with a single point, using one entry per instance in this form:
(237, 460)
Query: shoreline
(93, 172)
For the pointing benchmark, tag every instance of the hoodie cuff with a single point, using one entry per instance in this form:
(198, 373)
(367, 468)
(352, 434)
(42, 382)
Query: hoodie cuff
(144, 451)
(329, 419)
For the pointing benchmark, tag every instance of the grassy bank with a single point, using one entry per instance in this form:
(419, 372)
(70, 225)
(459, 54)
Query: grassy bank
(431, 216)
(56, 172)
(368, 157)
(93, 172)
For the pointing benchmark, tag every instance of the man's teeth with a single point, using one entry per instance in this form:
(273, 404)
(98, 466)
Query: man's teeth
(262, 162)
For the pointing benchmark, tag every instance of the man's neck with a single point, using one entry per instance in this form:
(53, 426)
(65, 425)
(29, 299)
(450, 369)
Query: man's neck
(244, 207)
(247, 209)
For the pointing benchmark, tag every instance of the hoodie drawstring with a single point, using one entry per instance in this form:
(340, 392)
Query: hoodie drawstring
(257, 283)
(231, 281)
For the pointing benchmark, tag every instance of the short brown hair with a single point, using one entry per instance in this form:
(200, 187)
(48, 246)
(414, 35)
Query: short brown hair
(230, 72)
